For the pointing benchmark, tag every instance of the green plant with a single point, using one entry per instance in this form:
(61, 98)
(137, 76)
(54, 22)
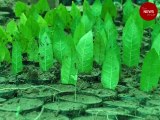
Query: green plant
(131, 43)
(150, 71)
(77, 39)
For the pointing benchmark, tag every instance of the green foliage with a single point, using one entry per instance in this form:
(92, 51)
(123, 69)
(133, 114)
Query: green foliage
(108, 7)
(79, 32)
(4, 54)
(76, 16)
(127, 10)
(150, 71)
(20, 8)
(12, 28)
(131, 43)
(156, 31)
(77, 39)
(111, 31)
(100, 42)
(17, 65)
(97, 8)
(63, 16)
(45, 51)
(42, 6)
(50, 17)
(110, 70)
(86, 22)
(33, 51)
(68, 70)
(60, 45)
(85, 53)
(156, 44)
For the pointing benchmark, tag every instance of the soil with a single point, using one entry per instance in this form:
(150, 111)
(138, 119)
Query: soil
(34, 95)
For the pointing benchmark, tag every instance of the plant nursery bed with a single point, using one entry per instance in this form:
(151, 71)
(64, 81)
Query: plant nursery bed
(66, 108)
(21, 105)
(113, 113)
(104, 94)
(85, 98)
(92, 117)
(87, 62)
(10, 116)
(129, 105)
(44, 116)
(44, 93)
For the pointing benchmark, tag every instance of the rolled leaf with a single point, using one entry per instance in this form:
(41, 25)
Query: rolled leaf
(150, 71)
(131, 43)
(45, 51)
(17, 65)
(110, 70)
(85, 53)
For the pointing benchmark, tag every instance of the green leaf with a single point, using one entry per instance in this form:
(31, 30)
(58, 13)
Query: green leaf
(85, 53)
(41, 22)
(138, 20)
(97, 8)
(51, 17)
(127, 10)
(45, 50)
(150, 71)
(33, 51)
(156, 31)
(4, 37)
(108, 7)
(75, 12)
(79, 32)
(156, 44)
(131, 43)
(76, 17)
(42, 6)
(100, 42)
(148, 24)
(12, 28)
(64, 16)
(88, 19)
(68, 70)
(20, 8)
(86, 22)
(7, 55)
(60, 44)
(111, 31)
(17, 65)
(2, 53)
(110, 70)
(86, 8)
(23, 19)
(31, 28)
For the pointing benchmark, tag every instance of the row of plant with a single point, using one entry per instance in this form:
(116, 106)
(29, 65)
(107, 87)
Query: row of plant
(77, 39)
